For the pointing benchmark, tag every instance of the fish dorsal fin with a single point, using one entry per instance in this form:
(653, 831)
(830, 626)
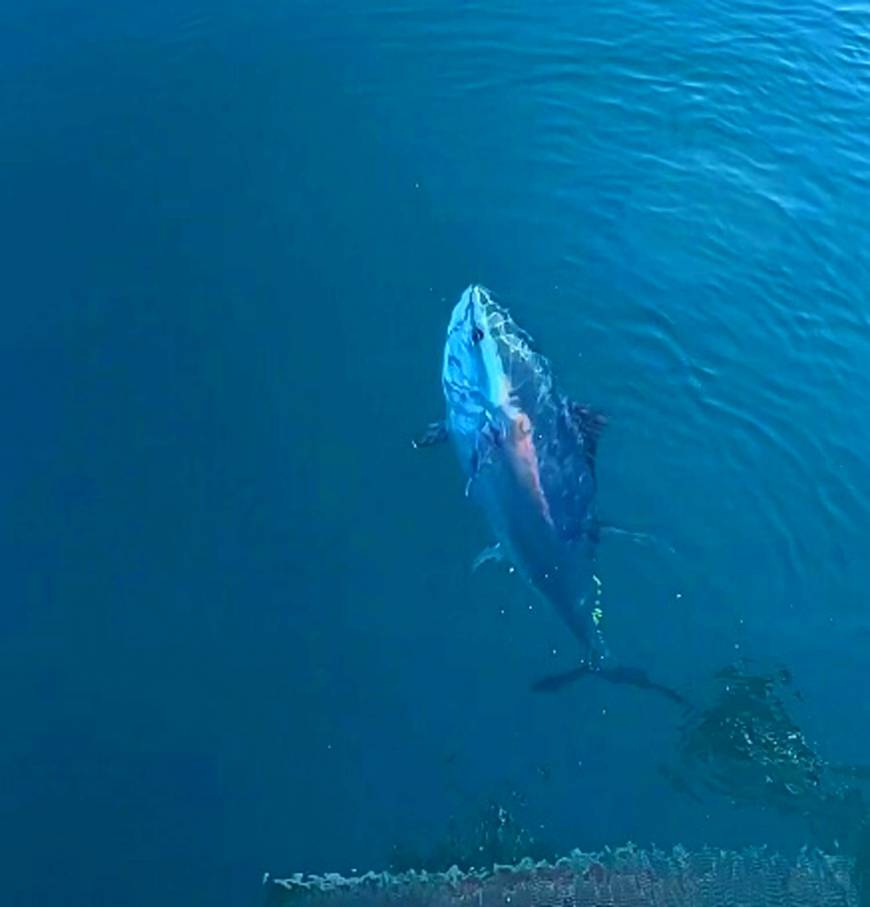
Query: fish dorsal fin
(589, 423)
(566, 457)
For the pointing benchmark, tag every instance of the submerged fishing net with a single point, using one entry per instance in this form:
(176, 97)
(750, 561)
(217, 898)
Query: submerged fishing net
(628, 876)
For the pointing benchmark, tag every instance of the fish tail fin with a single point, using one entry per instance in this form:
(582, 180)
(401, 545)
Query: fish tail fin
(620, 674)
(597, 660)
(638, 677)
(552, 683)
(599, 663)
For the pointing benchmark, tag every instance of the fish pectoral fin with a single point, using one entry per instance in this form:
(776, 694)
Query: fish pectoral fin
(603, 530)
(435, 433)
(588, 423)
(488, 441)
(492, 553)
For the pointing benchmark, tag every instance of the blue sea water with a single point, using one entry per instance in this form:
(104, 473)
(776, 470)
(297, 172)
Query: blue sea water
(240, 631)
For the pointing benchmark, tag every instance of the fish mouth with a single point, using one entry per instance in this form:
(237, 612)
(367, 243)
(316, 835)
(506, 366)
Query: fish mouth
(465, 312)
(477, 309)
(471, 357)
(487, 358)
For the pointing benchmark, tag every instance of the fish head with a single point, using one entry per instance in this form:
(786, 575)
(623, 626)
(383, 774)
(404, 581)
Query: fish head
(483, 351)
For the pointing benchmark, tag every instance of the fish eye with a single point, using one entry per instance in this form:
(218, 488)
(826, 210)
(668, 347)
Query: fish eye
(476, 335)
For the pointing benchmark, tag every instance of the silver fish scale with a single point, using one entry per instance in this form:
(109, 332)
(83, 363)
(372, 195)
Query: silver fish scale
(628, 877)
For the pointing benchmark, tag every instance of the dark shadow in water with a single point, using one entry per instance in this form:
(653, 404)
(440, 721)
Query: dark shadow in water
(745, 744)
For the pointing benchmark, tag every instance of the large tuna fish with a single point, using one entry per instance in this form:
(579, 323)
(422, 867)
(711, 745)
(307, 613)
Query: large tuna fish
(528, 454)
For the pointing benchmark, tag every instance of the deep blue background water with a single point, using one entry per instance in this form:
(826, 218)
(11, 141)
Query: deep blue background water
(239, 627)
